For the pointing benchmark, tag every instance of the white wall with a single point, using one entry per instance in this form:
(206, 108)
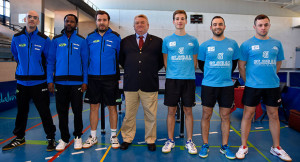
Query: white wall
(238, 27)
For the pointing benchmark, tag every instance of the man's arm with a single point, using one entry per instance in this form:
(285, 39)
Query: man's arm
(242, 69)
(278, 65)
(195, 60)
(165, 60)
(122, 54)
(201, 65)
(234, 64)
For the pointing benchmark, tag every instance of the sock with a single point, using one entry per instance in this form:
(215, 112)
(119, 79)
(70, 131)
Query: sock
(113, 132)
(93, 133)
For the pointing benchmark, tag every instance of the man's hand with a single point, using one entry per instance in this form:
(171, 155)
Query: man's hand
(51, 87)
(83, 87)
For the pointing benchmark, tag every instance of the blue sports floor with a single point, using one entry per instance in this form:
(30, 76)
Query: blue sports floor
(34, 150)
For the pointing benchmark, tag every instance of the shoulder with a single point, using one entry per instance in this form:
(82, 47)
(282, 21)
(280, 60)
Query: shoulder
(57, 36)
(20, 33)
(42, 35)
(80, 36)
(128, 37)
(115, 33)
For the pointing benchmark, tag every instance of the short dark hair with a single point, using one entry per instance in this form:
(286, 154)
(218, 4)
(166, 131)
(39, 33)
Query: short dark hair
(76, 19)
(260, 17)
(179, 12)
(216, 17)
(101, 12)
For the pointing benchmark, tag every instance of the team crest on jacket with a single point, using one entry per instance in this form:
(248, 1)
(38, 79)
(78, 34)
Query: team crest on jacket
(62, 45)
(22, 45)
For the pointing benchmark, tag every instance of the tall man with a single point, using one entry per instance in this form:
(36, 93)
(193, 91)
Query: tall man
(141, 58)
(180, 58)
(261, 58)
(103, 76)
(68, 60)
(219, 57)
(30, 50)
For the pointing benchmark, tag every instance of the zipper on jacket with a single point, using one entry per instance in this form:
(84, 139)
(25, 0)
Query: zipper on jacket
(41, 66)
(71, 48)
(100, 53)
(68, 55)
(114, 60)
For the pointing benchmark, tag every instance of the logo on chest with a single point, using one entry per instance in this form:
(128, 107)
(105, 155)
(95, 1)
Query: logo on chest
(181, 50)
(255, 47)
(265, 54)
(220, 56)
(211, 49)
(172, 44)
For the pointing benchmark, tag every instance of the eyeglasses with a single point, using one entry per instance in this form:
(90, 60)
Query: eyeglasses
(34, 17)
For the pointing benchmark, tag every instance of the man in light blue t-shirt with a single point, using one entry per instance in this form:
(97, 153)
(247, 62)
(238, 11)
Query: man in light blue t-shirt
(219, 57)
(261, 58)
(180, 58)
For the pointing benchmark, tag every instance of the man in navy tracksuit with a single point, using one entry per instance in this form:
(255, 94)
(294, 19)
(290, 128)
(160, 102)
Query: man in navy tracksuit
(103, 74)
(68, 55)
(30, 50)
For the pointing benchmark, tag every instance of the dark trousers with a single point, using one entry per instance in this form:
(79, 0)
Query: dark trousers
(64, 95)
(40, 96)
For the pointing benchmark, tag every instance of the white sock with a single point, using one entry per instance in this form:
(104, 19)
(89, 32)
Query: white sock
(113, 132)
(93, 133)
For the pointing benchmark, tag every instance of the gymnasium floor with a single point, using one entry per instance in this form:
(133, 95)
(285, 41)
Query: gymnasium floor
(35, 148)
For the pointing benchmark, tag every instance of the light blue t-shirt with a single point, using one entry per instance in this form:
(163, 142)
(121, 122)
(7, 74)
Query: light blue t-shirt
(180, 50)
(218, 56)
(261, 57)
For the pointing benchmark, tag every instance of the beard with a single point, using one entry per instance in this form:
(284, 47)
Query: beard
(218, 34)
(103, 30)
(69, 29)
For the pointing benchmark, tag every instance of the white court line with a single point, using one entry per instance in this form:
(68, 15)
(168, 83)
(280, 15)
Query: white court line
(48, 158)
(213, 132)
(27, 161)
(98, 149)
(259, 127)
(141, 142)
(80, 152)
(163, 139)
(197, 134)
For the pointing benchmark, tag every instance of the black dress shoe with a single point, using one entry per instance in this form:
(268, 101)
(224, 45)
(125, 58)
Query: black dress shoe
(151, 146)
(124, 146)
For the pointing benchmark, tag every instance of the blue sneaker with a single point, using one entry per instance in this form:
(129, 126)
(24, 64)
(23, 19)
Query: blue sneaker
(226, 151)
(204, 151)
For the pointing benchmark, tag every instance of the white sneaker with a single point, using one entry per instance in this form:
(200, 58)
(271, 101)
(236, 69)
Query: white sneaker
(191, 147)
(61, 145)
(168, 146)
(278, 151)
(77, 143)
(114, 142)
(243, 150)
(90, 142)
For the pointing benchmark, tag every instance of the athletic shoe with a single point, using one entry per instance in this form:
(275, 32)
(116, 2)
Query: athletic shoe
(278, 151)
(90, 142)
(204, 151)
(114, 142)
(243, 150)
(77, 143)
(226, 151)
(14, 143)
(168, 146)
(61, 145)
(51, 145)
(191, 147)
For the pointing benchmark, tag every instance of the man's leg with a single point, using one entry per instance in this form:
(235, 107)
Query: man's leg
(113, 116)
(149, 102)
(128, 129)
(76, 103)
(225, 124)
(171, 122)
(188, 111)
(205, 122)
(94, 116)
(41, 99)
(246, 123)
(274, 125)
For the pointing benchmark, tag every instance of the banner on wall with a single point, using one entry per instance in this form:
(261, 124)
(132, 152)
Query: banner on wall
(8, 95)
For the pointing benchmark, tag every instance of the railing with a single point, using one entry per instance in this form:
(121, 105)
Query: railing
(91, 4)
(13, 27)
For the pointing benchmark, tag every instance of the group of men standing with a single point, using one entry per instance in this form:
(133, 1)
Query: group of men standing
(75, 64)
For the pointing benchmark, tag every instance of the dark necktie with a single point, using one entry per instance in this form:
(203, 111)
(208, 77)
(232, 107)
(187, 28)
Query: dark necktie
(141, 42)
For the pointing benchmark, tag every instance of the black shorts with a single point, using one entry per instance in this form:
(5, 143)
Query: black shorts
(224, 96)
(270, 96)
(183, 89)
(103, 92)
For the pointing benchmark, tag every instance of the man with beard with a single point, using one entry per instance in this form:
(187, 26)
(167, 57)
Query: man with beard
(30, 50)
(103, 76)
(219, 57)
(69, 62)
(261, 59)
(180, 52)
(141, 58)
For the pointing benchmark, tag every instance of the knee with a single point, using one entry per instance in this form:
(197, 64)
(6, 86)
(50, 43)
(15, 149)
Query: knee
(248, 115)
(188, 111)
(172, 111)
(206, 116)
(273, 115)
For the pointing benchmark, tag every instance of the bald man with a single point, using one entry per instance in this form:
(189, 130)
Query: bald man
(30, 50)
